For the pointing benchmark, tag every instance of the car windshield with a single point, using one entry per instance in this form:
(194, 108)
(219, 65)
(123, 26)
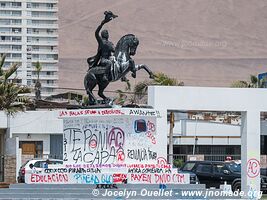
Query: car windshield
(188, 166)
(234, 167)
(25, 163)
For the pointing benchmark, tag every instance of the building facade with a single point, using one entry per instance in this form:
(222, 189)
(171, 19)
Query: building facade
(28, 34)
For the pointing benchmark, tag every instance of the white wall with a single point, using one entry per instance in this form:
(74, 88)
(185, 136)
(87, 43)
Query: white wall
(37, 122)
(205, 128)
(249, 101)
(207, 98)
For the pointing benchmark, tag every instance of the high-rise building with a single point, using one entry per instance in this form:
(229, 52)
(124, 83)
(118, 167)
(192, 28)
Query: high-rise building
(28, 34)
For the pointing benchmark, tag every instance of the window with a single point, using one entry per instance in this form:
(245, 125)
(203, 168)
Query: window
(188, 167)
(29, 82)
(39, 164)
(34, 148)
(17, 81)
(50, 82)
(18, 39)
(218, 168)
(16, 4)
(49, 31)
(234, 167)
(204, 168)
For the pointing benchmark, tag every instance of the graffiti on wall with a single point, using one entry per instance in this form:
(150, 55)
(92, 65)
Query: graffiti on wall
(105, 140)
(109, 174)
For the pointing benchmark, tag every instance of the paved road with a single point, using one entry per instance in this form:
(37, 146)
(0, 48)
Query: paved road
(88, 192)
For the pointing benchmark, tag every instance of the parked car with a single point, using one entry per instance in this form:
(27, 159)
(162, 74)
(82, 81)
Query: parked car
(264, 171)
(214, 174)
(36, 164)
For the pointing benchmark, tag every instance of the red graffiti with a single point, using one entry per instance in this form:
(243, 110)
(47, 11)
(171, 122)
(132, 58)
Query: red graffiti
(141, 178)
(253, 168)
(49, 178)
(150, 136)
(90, 112)
(120, 156)
(161, 161)
(93, 143)
(119, 178)
(151, 126)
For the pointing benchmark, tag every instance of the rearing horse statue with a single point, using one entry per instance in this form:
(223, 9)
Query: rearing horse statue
(121, 64)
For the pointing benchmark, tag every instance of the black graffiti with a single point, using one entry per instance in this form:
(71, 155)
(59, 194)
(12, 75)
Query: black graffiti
(137, 154)
(56, 170)
(93, 145)
(145, 170)
(142, 112)
(141, 154)
(152, 155)
(82, 170)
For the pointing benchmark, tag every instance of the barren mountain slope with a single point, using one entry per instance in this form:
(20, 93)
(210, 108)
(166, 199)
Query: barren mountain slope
(201, 42)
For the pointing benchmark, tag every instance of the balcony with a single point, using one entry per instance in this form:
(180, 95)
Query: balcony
(10, 7)
(43, 60)
(8, 16)
(10, 50)
(44, 17)
(44, 51)
(46, 77)
(16, 59)
(43, 43)
(44, 8)
(17, 25)
(55, 26)
(9, 33)
(51, 85)
(10, 42)
(46, 69)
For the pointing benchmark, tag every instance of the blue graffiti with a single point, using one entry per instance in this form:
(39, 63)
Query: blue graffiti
(93, 178)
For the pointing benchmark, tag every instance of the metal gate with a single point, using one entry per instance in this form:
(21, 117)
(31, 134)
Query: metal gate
(56, 146)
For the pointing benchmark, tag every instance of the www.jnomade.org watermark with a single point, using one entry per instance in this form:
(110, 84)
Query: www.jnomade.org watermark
(185, 44)
(164, 193)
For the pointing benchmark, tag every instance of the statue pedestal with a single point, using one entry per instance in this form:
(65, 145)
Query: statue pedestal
(113, 146)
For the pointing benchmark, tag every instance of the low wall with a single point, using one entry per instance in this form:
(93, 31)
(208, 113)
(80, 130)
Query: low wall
(10, 169)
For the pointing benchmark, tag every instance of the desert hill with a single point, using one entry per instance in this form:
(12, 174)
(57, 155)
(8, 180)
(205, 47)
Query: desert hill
(200, 42)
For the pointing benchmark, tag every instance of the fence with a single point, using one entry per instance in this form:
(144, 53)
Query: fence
(183, 157)
(1, 168)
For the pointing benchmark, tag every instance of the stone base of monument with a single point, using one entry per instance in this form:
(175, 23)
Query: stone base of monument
(109, 147)
(83, 191)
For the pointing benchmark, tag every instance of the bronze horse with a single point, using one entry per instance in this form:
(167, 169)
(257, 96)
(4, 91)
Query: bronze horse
(122, 63)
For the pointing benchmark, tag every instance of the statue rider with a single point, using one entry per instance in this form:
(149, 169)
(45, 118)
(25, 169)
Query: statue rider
(105, 47)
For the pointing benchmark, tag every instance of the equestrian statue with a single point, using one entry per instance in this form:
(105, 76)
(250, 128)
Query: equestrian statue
(111, 64)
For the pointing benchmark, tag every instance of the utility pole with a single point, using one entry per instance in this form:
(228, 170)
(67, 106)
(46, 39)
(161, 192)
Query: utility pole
(171, 138)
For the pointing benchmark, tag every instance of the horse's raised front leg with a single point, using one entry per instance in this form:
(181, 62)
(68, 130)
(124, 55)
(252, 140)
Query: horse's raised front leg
(142, 66)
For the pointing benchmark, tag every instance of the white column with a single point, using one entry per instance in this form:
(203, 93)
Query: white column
(250, 152)
(24, 42)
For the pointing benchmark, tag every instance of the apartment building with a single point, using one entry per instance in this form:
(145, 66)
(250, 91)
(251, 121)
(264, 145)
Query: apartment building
(29, 33)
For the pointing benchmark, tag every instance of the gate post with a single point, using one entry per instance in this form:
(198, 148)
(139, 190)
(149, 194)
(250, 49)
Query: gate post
(250, 152)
